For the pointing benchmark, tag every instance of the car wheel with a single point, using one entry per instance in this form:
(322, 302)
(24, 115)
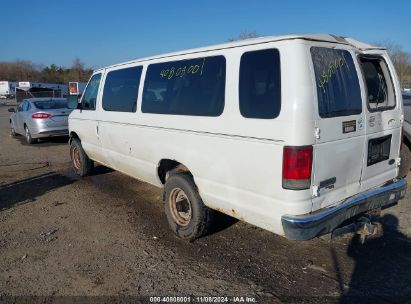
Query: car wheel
(405, 166)
(29, 139)
(82, 164)
(12, 131)
(186, 213)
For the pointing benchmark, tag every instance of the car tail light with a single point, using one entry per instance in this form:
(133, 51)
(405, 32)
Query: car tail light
(40, 115)
(297, 164)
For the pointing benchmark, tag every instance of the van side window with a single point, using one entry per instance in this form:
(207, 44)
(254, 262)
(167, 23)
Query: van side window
(90, 94)
(187, 87)
(260, 84)
(380, 91)
(121, 89)
(337, 83)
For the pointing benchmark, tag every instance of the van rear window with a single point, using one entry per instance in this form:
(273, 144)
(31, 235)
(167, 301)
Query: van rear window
(380, 91)
(338, 87)
(187, 87)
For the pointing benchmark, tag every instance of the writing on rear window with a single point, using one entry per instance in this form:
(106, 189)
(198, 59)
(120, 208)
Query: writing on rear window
(327, 74)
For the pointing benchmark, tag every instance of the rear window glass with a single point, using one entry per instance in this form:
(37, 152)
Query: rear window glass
(338, 87)
(121, 89)
(50, 104)
(260, 84)
(380, 91)
(187, 87)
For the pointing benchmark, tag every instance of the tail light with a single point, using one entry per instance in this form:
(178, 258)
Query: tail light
(40, 115)
(297, 164)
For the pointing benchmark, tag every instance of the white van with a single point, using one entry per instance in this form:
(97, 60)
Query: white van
(293, 134)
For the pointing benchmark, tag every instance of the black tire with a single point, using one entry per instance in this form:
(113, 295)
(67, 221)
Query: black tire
(30, 140)
(12, 131)
(187, 224)
(405, 166)
(81, 163)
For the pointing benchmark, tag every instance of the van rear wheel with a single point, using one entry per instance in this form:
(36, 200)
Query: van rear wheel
(82, 164)
(186, 213)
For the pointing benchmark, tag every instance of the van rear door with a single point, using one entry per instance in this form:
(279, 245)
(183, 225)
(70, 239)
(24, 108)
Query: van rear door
(382, 118)
(340, 130)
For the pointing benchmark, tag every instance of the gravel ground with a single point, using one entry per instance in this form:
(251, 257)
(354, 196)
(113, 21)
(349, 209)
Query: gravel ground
(106, 235)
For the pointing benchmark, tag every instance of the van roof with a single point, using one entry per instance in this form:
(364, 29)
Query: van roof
(312, 37)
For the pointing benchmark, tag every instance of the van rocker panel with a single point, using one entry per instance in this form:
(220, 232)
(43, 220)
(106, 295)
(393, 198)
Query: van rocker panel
(325, 220)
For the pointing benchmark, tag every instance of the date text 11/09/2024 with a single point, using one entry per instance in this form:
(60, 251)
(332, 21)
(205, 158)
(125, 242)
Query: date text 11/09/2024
(203, 299)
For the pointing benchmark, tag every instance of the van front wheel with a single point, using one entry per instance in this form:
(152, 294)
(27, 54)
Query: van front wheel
(82, 165)
(186, 213)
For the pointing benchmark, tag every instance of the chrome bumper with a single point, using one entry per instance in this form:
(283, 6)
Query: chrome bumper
(308, 226)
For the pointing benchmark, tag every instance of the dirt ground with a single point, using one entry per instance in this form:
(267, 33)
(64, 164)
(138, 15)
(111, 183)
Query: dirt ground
(107, 235)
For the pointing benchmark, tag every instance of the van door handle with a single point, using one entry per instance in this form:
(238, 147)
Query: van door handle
(97, 130)
(391, 122)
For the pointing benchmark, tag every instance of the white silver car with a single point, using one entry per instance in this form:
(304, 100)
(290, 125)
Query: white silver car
(40, 117)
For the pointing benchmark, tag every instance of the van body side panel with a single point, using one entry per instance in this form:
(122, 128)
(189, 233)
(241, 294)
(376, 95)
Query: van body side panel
(236, 162)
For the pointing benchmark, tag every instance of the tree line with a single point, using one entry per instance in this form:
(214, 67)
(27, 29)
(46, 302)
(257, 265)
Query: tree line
(23, 70)
(401, 60)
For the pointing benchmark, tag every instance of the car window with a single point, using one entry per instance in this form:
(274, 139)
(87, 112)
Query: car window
(380, 91)
(24, 106)
(187, 87)
(338, 88)
(260, 84)
(50, 104)
(90, 94)
(121, 89)
(406, 98)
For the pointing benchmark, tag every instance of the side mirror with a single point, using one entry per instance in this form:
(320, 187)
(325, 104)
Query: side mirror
(72, 102)
(12, 110)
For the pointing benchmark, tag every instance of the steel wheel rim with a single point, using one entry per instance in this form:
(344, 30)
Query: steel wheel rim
(180, 207)
(75, 157)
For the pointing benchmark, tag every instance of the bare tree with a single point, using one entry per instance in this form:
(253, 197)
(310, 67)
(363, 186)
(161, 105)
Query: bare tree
(244, 35)
(400, 59)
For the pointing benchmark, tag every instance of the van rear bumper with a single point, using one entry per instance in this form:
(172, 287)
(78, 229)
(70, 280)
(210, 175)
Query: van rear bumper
(308, 226)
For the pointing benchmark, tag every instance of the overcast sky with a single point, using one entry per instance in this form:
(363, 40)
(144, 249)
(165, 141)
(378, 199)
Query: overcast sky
(106, 32)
